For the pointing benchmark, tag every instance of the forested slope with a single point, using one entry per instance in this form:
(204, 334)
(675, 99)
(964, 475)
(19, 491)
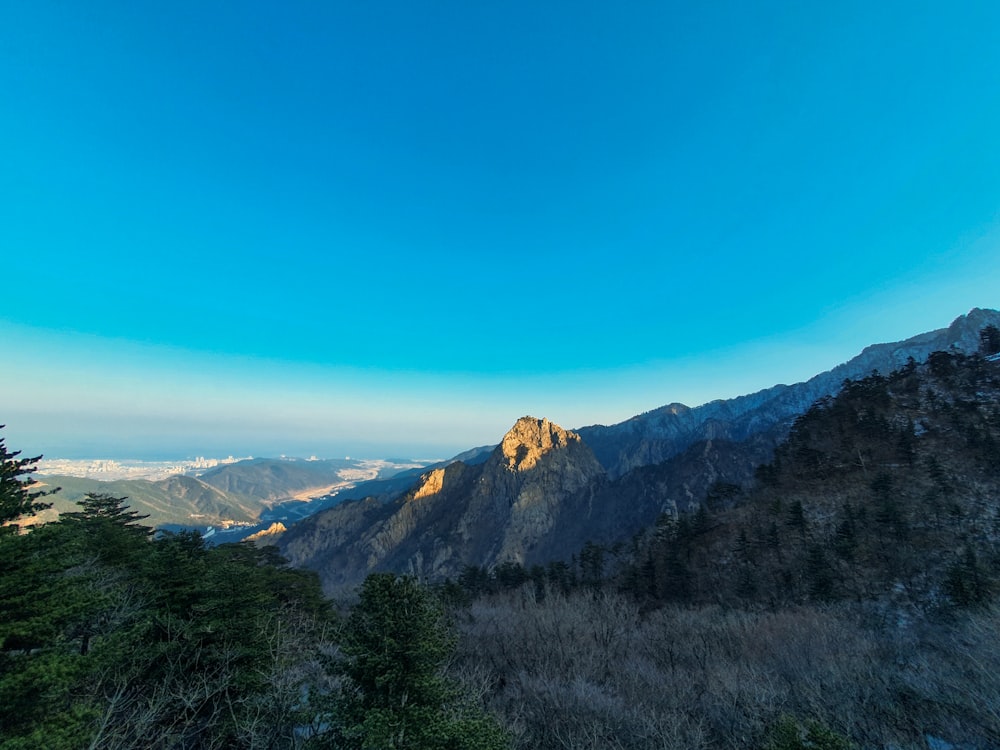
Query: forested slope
(850, 596)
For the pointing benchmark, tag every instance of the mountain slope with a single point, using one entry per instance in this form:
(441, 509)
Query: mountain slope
(542, 494)
(392, 487)
(271, 479)
(178, 500)
(889, 491)
(507, 508)
(665, 432)
(761, 418)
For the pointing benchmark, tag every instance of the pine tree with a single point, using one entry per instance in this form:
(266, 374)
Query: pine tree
(790, 734)
(395, 696)
(967, 583)
(16, 497)
(111, 531)
(989, 340)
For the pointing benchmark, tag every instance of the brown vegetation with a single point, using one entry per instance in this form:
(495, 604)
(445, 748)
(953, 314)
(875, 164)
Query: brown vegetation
(591, 671)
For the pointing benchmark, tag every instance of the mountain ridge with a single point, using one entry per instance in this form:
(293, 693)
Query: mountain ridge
(544, 491)
(663, 432)
(502, 509)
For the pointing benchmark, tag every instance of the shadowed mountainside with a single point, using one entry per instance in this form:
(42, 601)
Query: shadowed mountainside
(665, 432)
(542, 494)
(506, 508)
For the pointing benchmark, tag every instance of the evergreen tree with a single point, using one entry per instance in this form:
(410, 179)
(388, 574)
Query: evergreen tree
(967, 583)
(818, 575)
(592, 564)
(111, 639)
(989, 340)
(16, 497)
(790, 734)
(845, 540)
(107, 528)
(395, 695)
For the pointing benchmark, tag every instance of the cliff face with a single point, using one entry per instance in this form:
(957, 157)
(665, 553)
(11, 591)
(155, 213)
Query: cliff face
(543, 491)
(506, 509)
(665, 432)
(537, 473)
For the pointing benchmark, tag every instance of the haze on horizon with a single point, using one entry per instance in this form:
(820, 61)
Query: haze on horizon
(381, 229)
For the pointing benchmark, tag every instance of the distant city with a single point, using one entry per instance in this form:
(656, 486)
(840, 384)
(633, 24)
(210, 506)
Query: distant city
(108, 469)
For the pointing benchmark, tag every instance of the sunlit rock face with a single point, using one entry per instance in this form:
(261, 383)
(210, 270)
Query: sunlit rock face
(530, 439)
(506, 509)
(545, 491)
(430, 483)
(269, 534)
(533, 476)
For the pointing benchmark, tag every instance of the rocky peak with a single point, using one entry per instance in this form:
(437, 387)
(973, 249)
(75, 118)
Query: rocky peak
(530, 439)
(269, 534)
(431, 483)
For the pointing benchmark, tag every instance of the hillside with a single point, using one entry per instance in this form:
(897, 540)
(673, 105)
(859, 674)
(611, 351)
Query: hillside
(511, 507)
(272, 479)
(847, 597)
(888, 490)
(464, 515)
(389, 488)
(253, 492)
(178, 500)
(659, 434)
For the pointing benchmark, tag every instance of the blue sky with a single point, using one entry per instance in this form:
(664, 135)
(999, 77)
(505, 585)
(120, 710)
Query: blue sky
(384, 227)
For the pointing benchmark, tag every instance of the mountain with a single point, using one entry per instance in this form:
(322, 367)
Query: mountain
(392, 487)
(665, 432)
(510, 507)
(668, 431)
(179, 500)
(715, 469)
(272, 479)
(888, 491)
(853, 587)
(544, 492)
(250, 493)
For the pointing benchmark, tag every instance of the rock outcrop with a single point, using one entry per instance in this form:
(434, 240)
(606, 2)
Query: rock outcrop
(268, 535)
(543, 492)
(506, 509)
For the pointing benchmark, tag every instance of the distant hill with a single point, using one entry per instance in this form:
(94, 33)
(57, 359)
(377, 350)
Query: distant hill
(178, 500)
(242, 494)
(272, 479)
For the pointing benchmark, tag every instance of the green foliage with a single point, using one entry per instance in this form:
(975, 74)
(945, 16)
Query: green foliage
(967, 582)
(790, 734)
(16, 497)
(394, 647)
(989, 340)
(110, 638)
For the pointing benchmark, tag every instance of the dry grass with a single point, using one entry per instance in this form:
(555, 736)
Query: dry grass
(588, 671)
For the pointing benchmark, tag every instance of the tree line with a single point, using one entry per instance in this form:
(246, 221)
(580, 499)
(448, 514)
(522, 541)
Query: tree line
(115, 636)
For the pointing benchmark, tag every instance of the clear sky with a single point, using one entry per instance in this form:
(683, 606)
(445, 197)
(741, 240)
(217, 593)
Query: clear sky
(384, 227)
